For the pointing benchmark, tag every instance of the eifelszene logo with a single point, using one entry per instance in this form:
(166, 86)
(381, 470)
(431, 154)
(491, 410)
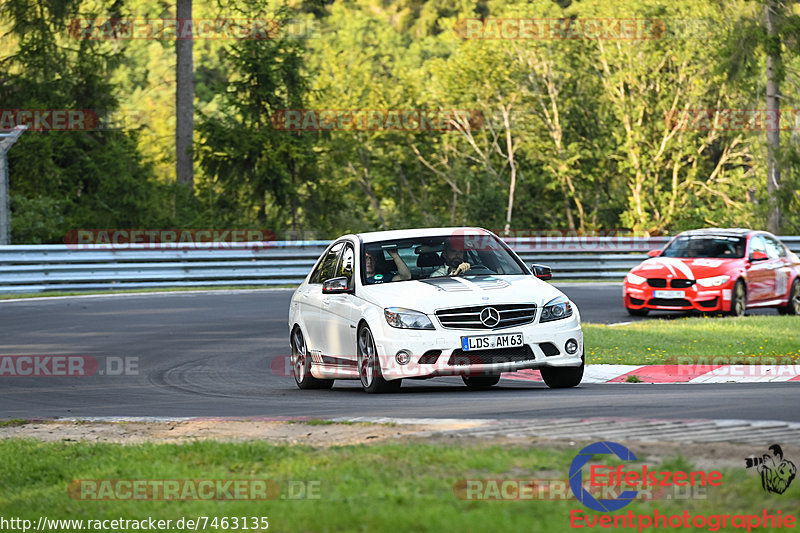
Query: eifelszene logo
(620, 477)
(776, 472)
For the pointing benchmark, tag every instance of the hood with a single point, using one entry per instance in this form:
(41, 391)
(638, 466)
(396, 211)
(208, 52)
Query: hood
(684, 268)
(427, 295)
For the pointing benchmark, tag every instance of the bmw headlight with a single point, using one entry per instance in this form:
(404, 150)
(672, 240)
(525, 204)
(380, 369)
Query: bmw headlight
(634, 279)
(715, 281)
(556, 309)
(398, 317)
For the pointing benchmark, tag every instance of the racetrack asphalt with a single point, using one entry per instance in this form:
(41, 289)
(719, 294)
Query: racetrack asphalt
(209, 353)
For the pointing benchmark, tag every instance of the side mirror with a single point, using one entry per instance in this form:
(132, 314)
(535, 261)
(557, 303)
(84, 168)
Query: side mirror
(758, 256)
(542, 272)
(654, 253)
(335, 286)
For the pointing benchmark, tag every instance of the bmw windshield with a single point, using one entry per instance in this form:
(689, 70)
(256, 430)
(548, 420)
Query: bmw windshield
(430, 257)
(710, 246)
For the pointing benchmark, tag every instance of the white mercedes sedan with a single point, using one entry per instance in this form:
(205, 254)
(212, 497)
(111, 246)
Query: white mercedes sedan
(422, 303)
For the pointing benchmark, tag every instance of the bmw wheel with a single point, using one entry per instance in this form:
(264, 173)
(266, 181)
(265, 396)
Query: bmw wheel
(792, 307)
(739, 299)
(301, 364)
(369, 366)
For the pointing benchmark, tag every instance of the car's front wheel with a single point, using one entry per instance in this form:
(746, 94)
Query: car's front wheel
(792, 307)
(369, 366)
(637, 312)
(563, 377)
(739, 299)
(301, 364)
(480, 382)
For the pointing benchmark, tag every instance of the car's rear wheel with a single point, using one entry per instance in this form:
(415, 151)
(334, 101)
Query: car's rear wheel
(563, 377)
(369, 366)
(301, 364)
(637, 312)
(480, 382)
(738, 299)
(792, 307)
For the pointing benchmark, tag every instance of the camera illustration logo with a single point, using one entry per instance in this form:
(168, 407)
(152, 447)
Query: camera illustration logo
(576, 481)
(776, 472)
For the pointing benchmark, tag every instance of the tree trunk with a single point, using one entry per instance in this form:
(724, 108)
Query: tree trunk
(184, 97)
(773, 123)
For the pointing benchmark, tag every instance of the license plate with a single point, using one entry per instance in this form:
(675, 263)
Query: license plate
(669, 294)
(489, 342)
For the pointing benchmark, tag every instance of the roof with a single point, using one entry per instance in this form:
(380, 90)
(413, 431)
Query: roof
(741, 232)
(419, 232)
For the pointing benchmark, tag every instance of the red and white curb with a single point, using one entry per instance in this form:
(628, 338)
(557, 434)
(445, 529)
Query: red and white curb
(677, 374)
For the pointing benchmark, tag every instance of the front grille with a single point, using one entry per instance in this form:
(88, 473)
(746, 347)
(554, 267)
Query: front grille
(469, 317)
(670, 302)
(661, 283)
(708, 303)
(491, 357)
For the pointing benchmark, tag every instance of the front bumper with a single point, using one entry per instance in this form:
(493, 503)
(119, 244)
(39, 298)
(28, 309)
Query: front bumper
(694, 298)
(439, 352)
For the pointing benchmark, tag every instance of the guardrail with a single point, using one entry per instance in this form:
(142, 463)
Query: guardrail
(38, 268)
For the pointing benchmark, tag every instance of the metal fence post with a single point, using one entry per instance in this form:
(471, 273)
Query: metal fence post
(7, 139)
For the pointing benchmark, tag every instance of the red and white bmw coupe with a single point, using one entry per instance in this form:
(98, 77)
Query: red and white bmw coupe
(716, 270)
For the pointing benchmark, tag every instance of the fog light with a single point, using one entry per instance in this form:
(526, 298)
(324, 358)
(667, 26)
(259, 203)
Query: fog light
(571, 346)
(403, 357)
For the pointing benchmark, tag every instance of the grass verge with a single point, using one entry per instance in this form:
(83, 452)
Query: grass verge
(14, 296)
(744, 340)
(384, 487)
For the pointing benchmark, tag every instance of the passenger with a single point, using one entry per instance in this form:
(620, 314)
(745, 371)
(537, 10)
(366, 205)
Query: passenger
(372, 261)
(454, 262)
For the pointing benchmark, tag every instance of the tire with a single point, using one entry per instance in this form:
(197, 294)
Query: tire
(637, 312)
(301, 364)
(369, 367)
(563, 377)
(738, 299)
(480, 382)
(792, 307)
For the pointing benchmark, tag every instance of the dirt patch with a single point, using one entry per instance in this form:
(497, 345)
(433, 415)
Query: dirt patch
(321, 434)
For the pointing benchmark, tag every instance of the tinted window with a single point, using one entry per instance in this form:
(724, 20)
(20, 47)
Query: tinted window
(757, 245)
(327, 267)
(346, 264)
(714, 246)
(775, 249)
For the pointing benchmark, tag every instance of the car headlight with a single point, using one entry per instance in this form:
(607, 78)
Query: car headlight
(398, 317)
(715, 281)
(556, 309)
(633, 278)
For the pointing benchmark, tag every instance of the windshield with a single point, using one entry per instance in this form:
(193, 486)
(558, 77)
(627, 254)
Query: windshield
(431, 257)
(713, 246)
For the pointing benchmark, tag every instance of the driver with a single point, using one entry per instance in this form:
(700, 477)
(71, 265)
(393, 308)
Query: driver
(454, 262)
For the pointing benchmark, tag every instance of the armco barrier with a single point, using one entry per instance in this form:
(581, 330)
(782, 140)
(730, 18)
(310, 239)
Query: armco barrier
(37, 268)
